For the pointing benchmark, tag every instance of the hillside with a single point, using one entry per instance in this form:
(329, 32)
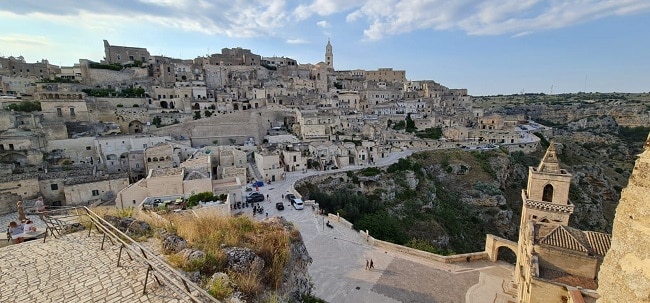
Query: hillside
(446, 201)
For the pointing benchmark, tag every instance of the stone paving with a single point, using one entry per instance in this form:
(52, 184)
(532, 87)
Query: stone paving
(74, 269)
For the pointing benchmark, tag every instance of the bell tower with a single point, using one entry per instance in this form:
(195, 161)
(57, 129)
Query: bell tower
(546, 199)
(329, 57)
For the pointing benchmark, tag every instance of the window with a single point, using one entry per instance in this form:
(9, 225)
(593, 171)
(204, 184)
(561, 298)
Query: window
(54, 186)
(72, 112)
(547, 195)
(88, 148)
(95, 192)
(11, 146)
(119, 57)
(59, 112)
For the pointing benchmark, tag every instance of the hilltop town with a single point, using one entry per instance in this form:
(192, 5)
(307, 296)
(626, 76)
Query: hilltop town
(82, 134)
(136, 130)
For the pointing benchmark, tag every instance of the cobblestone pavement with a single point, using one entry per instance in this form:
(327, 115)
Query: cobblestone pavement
(74, 269)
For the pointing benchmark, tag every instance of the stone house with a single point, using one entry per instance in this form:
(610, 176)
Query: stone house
(268, 164)
(125, 54)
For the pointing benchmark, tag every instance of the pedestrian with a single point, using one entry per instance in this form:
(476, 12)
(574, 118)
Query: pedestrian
(267, 214)
(372, 265)
(367, 264)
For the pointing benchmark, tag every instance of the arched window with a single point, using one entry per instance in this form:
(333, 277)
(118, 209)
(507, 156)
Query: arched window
(148, 159)
(547, 195)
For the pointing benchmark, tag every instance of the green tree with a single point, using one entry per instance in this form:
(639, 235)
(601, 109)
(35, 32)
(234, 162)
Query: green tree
(25, 106)
(207, 113)
(156, 121)
(197, 115)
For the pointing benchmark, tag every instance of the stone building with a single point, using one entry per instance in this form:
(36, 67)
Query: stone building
(125, 54)
(386, 75)
(625, 274)
(17, 67)
(555, 262)
(268, 164)
(235, 56)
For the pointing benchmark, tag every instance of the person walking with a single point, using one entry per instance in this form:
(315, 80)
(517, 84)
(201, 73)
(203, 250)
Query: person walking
(372, 265)
(367, 264)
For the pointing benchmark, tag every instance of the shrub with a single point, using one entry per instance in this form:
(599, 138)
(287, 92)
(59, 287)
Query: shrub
(120, 105)
(25, 106)
(220, 288)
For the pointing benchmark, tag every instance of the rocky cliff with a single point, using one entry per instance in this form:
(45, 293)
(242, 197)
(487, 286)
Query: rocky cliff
(625, 273)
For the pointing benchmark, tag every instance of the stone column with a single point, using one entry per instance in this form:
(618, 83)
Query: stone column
(625, 273)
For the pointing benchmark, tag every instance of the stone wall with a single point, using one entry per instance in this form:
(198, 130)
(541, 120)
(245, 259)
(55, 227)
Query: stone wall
(86, 193)
(625, 273)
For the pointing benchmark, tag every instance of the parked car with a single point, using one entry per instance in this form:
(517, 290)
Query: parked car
(279, 206)
(290, 197)
(298, 204)
(255, 197)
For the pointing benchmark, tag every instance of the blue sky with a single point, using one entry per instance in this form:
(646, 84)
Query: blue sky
(486, 46)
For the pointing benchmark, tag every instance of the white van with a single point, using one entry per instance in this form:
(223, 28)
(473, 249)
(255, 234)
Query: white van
(298, 204)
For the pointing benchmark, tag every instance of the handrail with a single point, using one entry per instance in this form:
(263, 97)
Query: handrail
(147, 257)
(153, 262)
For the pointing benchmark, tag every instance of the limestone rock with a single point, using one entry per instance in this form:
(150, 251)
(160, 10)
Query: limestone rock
(173, 244)
(625, 273)
(129, 226)
(190, 254)
(241, 259)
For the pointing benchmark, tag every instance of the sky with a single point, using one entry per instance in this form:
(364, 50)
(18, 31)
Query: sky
(487, 46)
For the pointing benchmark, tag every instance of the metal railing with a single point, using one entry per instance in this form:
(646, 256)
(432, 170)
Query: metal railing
(157, 267)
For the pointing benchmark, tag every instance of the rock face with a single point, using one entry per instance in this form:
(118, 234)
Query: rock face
(625, 274)
(295, 281)
(241, 259)
(130, 226)
(172, 244)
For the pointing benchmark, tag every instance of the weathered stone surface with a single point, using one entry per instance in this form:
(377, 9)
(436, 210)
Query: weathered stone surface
(190, 254)
(241, 259)
(172, 244)
(625, 273)
(130, 226)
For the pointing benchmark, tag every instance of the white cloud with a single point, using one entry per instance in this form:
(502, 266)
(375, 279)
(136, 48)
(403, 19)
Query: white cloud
(325, 7)
(323, 24)
(233, 18)
(297, 41)
(24, 40)
(478, 17)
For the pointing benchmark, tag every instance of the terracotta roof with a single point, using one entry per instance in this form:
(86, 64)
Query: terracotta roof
(561, 237)
(600, 242)
(589, 242)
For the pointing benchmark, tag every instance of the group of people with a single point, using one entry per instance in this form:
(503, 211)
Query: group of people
(16, 232)
(370, 265)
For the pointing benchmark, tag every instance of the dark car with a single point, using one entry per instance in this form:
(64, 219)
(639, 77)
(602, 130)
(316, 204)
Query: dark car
(255, 197)
(279, 206)
(290, 197)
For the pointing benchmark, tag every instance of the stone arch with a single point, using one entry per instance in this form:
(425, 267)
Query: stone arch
(196, 106)
(163, 104)
(15, 158)
(135, 127)
(149, 159)
(68, 96)
(171, 104)
(111, 157)
(56, 96)
(506, 254)
(155, 159)
(493, 245)
(547, 194)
